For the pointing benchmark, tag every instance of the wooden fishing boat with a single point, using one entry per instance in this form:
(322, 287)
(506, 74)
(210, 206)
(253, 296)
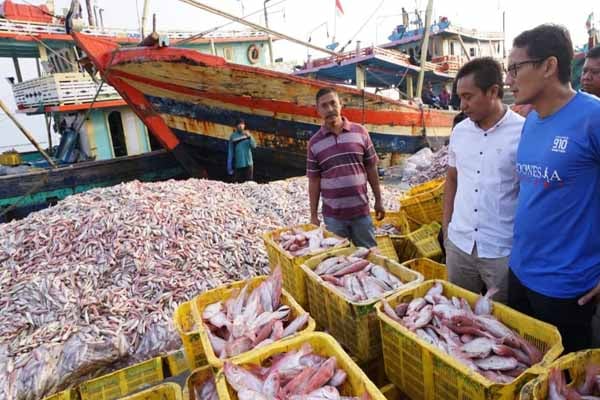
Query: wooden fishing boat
(191, 101)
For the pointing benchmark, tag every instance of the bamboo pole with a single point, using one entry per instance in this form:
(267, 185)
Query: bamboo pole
(27, 134)
(424, 47)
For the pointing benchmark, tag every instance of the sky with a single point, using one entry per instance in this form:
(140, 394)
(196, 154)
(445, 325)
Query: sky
(368, 21)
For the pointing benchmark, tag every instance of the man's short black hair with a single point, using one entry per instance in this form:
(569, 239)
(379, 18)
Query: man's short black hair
(549, 40)
(593, 53)
(486, 71)
(240, 121)
(323, 91)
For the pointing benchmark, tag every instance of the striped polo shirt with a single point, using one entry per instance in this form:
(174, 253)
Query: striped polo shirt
(341, 161)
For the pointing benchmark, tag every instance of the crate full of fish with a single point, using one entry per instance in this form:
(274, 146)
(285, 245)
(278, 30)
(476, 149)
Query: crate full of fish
(68, 394)
(310, 366)
(247, 315)
(393, 226)
(343, 287)
(288, 248)
(423, 204)
(443, 342)
(428, 268)
(188, 329)
(201, 385)
(573, 376)
(164, 391)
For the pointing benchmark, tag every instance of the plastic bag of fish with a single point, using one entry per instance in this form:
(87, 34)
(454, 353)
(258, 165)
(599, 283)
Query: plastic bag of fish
(295, 375)
(356, 278)
(586, 390)
(252, 320)
(299, 243)
(472, 336)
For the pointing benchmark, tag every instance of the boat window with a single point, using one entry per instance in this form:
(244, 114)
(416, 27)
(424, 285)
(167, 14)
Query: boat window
(451, 48)
(228, 53)
(472, 52)
(117, 134)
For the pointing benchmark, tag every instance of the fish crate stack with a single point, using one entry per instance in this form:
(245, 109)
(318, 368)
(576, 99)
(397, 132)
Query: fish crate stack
(225, 299)
(164, 391)
(286, 355)
(422, 370)
(581, 367)
(423, 204)
(290, 259)
(388, 230)
(352, 322)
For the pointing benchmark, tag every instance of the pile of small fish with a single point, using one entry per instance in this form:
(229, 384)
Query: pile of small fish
(472, 336)
(356, 278)
(435, 167)
(207, 390)
(587, 390)
(299, 243)
(91, 284)
(245, 322)
(387, 229)
(295, 375)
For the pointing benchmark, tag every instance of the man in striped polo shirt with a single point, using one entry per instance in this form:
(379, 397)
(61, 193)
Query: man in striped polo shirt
(341, 160)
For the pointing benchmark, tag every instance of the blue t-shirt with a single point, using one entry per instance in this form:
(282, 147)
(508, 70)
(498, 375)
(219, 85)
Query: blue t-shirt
(556, 248)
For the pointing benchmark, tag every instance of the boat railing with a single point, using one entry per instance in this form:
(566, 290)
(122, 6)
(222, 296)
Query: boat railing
(34, 28)
(60, 89)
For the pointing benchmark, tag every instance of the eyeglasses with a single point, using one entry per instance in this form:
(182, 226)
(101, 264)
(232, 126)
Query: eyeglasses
(514, 68)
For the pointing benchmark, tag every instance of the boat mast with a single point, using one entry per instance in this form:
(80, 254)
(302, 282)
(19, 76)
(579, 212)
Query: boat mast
(144, 17)
(256, 26)
(424, 47)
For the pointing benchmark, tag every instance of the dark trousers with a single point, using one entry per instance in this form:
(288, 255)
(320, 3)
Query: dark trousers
(242, 175)
(574, 322)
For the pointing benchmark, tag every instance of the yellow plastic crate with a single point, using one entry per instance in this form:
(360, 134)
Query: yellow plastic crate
(424, 204)
(196, 378)
(353, 324)
(223, 293)
(425, 240)
(10, 158)
(356, 383)
(177, 362)
(69, 394)
(164, 391)
(293, 277)
(574, 363)
(386, 248)
(428, 268)
(122, 382)
(183, 319)
(423, 371)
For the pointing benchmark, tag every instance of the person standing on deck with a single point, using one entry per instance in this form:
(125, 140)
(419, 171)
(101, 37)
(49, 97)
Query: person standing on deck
(341, 159)
(590, 74)
(481, 185)
(239, 153)
(555, 260)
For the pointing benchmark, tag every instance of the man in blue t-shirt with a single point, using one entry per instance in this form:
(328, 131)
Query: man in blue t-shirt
(555, 260)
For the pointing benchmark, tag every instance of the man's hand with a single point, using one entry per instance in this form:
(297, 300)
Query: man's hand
(379, 211)
(314, 219)
(591, 295)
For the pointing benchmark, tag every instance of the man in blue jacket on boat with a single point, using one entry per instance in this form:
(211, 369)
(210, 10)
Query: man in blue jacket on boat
(239, 153)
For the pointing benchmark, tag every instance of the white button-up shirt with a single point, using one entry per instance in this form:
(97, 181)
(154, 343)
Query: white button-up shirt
(488, 185)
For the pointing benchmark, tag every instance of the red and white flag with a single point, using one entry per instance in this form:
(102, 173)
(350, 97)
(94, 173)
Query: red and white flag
(338, 7)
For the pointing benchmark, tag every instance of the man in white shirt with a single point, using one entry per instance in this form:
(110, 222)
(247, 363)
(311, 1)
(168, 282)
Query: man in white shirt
(482, 185)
